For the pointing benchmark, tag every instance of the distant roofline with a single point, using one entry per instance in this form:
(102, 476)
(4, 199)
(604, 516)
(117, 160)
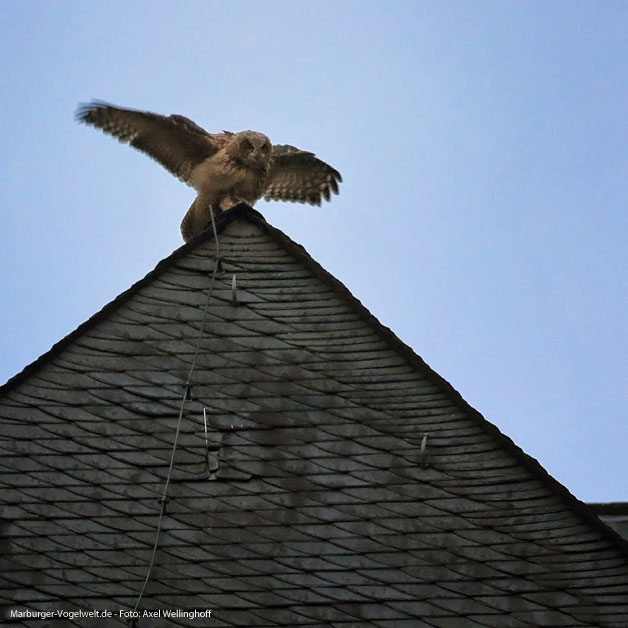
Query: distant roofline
(243, 211)
(609, 508)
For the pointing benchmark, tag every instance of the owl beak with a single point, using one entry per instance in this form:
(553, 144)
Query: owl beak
(259, 158)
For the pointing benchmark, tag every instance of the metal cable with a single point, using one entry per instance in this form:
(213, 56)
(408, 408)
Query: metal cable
(164, 498)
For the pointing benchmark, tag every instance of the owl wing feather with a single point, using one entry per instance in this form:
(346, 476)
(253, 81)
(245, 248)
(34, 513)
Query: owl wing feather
(299, 176)
(175, 142)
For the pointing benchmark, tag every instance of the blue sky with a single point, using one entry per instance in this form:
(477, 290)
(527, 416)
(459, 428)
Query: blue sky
(484, 151)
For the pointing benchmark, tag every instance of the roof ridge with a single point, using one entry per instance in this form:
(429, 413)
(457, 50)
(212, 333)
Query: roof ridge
(530, 463)
(225, 218)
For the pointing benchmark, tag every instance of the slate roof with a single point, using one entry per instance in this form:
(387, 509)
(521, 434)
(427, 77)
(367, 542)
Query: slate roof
(341, 481)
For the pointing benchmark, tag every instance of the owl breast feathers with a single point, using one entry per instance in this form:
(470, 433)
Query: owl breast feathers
(224, 168)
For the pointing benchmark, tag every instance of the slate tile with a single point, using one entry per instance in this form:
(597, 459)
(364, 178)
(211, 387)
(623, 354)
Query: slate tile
(546, 617)
(404, 623)
(278, 617)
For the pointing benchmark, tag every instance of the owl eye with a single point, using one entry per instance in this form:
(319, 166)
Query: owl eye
(247, 147)
(265, 148)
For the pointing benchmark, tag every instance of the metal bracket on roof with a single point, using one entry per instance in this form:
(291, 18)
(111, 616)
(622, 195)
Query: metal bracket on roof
(422, 452)
(234, 291)
(208, 467)
(163, 502)
(219, 266)
(205, 425)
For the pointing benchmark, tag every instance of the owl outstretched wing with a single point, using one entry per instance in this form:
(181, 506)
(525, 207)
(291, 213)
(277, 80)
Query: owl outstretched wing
(299, 176)
(175, 142)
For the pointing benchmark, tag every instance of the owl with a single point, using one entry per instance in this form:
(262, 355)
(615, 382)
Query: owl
(223, 168)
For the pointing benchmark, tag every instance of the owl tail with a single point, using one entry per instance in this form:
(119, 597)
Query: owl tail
(196, 220)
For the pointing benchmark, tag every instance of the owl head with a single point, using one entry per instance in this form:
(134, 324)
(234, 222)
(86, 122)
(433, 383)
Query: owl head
(252, 149)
